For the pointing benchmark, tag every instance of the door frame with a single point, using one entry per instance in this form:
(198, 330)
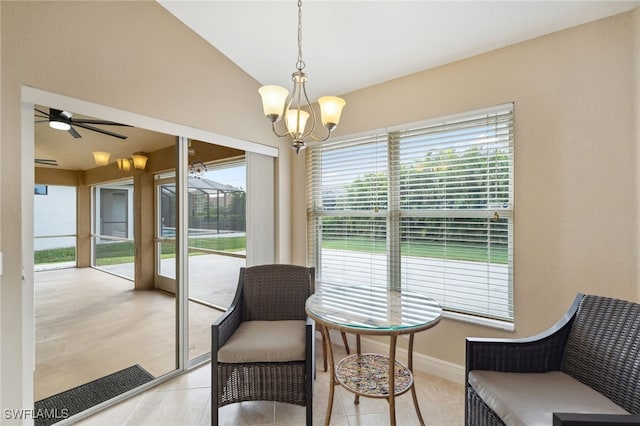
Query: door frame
(24, 349)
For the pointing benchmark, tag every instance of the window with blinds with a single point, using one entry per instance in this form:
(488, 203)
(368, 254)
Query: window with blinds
(427, 209)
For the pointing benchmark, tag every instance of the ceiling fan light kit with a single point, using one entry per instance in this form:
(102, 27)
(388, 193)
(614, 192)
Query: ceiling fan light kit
(296, 109)
(59, 125)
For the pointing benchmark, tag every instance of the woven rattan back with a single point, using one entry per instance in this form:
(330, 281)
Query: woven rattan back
(603, 349)
(276, 292)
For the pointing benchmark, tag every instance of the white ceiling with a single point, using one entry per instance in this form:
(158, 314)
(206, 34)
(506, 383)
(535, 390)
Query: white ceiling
(349, 45)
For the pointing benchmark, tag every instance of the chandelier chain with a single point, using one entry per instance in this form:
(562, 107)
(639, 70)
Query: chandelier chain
(300, 64)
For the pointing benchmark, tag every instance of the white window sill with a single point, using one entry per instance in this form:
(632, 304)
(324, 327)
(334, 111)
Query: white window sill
(487, 322)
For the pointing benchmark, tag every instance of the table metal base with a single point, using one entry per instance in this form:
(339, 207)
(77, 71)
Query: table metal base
(371, 375)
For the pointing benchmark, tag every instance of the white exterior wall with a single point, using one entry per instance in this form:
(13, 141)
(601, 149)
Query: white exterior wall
(55, 214)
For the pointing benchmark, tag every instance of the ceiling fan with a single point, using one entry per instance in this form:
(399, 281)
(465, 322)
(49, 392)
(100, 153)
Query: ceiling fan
(63, 120)
(46, 162)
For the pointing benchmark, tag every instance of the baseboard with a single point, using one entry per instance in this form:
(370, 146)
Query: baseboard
(423, 363)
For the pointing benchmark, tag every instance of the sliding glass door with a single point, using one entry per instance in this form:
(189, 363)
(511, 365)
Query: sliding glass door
(155, 253)
(166, 230)
(217, 245)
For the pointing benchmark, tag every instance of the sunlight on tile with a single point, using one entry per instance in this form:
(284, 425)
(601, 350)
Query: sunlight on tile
(186, 401)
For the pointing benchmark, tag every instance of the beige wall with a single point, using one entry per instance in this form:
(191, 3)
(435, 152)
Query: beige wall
(133, 56)
(576, 213)
(636, 111)
(576, 141)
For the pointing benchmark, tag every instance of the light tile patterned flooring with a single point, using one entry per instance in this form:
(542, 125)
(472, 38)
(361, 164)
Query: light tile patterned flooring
(185, 401)
(67, 301)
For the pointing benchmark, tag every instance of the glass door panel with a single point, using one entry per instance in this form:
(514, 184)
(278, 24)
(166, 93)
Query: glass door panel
(217, 245)
(113, 239)
(166, 225)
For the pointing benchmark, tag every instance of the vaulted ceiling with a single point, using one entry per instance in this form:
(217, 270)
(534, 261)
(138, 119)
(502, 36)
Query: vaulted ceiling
(347, 45)
(351, 44)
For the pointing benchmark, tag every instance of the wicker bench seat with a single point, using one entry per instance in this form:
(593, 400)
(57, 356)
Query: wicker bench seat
(585, 370)
(527, 399)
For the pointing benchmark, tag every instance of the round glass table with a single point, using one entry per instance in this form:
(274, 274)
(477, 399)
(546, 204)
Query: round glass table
(372, 311)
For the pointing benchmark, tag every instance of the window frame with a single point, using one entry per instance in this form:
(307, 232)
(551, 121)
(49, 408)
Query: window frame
(394, 211)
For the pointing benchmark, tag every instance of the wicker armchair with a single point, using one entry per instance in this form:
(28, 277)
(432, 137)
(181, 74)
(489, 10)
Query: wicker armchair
(276, 362)
(597, 342)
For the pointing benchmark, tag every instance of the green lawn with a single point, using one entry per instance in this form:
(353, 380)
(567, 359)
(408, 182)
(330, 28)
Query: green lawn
(64, 254)
(122, 252)
(467, 252)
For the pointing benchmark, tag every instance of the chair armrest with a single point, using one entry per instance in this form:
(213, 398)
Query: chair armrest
(225, 326)
(310, 343)
(539, 353)
(229, 322)
(310, 327)
(310, 333)
(581, 419)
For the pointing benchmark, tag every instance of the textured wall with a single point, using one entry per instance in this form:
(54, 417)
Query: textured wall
(576, 215)
(130, 55)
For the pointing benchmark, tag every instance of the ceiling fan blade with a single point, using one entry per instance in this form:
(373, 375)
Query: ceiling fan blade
(74, 133)
(100, 122)
(104, 132)
(45, 114)
(46, 162)
(66, 117)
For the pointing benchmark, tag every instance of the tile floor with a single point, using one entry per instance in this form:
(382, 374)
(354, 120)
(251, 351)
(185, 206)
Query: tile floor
(185, 401)
(81, 314)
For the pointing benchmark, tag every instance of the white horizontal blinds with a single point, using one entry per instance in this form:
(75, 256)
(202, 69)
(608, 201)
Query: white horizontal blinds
(348, 207)
(461, 165)
(456, 203)
(428, 209)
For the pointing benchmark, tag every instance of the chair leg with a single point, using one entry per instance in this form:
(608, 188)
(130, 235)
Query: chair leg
(310, 411)
(214, 393)
(310, 371)
(346, 343)
(324, 353)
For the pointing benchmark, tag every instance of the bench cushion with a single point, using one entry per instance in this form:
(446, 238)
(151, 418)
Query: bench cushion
(265, 341)
(532, 398)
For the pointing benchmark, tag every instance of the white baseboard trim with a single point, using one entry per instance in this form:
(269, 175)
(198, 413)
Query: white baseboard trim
(423, 363)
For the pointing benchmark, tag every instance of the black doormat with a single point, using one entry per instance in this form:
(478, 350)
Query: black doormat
(65, 404)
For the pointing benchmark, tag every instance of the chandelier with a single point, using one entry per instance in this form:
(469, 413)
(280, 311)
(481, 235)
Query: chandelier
(296, 109)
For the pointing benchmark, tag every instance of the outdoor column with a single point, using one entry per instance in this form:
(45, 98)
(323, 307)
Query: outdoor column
(143, 219)
(83, 226)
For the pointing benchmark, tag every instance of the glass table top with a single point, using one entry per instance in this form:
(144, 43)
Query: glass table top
(373, 309)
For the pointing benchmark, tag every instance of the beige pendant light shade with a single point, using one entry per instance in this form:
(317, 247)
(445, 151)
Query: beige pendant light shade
(123, 164)
(296, 122)
(273, 99)
(330, 110)
(140, 160)
(101, 158)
